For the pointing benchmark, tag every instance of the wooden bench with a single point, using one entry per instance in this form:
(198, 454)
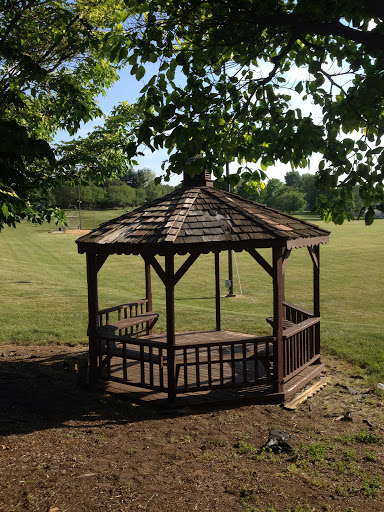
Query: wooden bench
(286, 323)
(129, 317)
(149, 318)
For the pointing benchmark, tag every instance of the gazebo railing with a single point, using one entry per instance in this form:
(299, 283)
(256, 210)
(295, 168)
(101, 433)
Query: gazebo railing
(295, 314)
(201, 366)
(227, 364)
(198, 367)
(301, 339)
(141, 363)
(300, 346)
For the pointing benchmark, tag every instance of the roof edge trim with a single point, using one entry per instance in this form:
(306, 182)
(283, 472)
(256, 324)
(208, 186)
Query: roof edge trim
(307, 242)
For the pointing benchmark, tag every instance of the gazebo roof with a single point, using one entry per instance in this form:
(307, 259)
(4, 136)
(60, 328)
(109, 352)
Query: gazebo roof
(201, 219)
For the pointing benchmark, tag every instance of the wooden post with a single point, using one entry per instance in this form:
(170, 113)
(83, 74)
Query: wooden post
(170, 307)
(217, 291)
(316, 281)
(93, 312)
(278, 352)
(316, 295)
(148, 290)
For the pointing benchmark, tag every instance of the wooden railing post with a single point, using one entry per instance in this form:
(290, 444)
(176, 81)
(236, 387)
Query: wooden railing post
(170, 307)
(278, 352)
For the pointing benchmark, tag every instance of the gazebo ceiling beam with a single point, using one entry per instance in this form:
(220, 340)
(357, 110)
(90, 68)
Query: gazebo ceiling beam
(261, 261)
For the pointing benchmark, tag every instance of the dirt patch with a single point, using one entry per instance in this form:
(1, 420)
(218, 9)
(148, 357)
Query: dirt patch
(78, 232)
(63, 448)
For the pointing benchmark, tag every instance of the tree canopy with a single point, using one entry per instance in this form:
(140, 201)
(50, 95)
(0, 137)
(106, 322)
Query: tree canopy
(101, 154)
(260, 82)
(52, 68)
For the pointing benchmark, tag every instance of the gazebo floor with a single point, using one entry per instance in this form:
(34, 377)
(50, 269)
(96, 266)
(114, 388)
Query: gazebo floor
(261, 392)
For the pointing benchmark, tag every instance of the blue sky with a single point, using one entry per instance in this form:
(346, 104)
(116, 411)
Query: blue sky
(128, 89)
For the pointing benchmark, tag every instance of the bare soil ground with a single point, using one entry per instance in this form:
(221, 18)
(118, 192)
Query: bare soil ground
(63, 448)
(79, 232)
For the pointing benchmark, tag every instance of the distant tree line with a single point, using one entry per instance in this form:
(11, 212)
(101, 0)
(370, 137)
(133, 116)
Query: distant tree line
(298, 192)
(131, 190)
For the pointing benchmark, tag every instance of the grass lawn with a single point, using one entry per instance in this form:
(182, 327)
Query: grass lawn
(44, 299)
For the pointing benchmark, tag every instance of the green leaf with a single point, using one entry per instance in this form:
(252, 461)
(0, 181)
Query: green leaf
(140, 72)
(5, 210)
(369, 216)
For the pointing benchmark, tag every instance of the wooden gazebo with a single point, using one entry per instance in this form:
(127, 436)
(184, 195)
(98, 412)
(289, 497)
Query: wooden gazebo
(193, 220)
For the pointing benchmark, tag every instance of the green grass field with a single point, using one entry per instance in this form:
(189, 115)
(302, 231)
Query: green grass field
(44, 299)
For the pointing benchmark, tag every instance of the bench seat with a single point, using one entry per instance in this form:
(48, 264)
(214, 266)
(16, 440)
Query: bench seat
(149, 318)
(127, 323)
(286, 323)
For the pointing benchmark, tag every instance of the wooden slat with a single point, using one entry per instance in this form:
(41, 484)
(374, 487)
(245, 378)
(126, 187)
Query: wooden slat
(108, 352)
(245, 372)
(151, 366)
(125, 362)
(209, 358)
(298, 308)
(221, 362)
(122, 306)
(233, 372)
(197, 358)
(255, 361)
(292, 405)
(298, 369)
(185, 356)
(161, 368)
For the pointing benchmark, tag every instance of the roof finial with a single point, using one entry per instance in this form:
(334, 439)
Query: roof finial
(199, 180)
(203, 179)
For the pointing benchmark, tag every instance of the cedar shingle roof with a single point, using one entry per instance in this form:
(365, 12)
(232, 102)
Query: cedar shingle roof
(200, 219)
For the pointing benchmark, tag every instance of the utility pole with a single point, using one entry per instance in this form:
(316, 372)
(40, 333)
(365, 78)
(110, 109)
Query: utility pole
(79, 201)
